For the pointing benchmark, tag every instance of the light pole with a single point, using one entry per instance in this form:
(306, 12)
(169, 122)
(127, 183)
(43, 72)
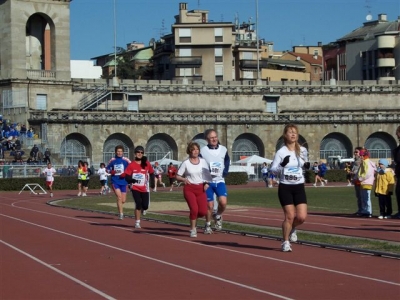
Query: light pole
(259, 80)
(115, 78)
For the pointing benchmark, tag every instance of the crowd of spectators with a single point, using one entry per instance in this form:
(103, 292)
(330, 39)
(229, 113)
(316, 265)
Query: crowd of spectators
(12, 138)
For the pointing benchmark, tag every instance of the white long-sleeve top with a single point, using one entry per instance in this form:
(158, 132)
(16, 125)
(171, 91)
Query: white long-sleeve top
(292, 173)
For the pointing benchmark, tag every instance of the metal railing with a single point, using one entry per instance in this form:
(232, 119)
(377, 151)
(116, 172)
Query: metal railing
(94, 97)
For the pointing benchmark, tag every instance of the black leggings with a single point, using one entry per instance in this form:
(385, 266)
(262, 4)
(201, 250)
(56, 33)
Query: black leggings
(141, 199)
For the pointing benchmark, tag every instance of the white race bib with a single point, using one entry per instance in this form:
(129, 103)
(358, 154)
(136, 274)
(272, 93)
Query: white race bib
(216, 168)
(292, 174)
(140, 179)
(119, 169)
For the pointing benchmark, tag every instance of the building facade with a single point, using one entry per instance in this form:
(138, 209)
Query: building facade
(85, 119)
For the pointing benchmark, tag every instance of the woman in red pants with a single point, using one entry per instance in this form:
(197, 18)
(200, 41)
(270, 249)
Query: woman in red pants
(195, 173)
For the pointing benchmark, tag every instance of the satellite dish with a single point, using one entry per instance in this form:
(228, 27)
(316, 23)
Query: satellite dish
(369, 17)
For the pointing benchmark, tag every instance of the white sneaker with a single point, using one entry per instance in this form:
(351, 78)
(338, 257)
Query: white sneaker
(208, 230)
(315, 184)
(51, 195)
(218, 222)
(163, 184)
(144, 212)
(286, 246)
(84, 195)
(170, 190)
(349, 184)
(154, 190)
(193, 233)
(322, 184)
(137, 225)
(79, 194)
(293, 235)
(121, 217)
(380, 217)
(326, 181)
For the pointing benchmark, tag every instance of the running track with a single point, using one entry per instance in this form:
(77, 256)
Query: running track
(53, 253)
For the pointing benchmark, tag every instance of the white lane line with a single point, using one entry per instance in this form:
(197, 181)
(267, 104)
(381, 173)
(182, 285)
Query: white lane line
(220, 248)
(284, 261)
(153, 259)
(89, 287)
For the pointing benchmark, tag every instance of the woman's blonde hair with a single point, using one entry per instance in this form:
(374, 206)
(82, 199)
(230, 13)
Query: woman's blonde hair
(191, 147)
(285, 130)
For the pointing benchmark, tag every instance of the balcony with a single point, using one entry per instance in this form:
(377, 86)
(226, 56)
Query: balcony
(386, 41)
(187, 61)
(165, 48)
(252, 64)
(40, 74)
(386, 62)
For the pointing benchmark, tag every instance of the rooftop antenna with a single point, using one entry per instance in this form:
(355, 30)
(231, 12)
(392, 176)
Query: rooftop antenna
(368, 7)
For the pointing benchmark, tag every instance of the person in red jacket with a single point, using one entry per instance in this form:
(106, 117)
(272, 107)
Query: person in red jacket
(137, 173)
(171, 172)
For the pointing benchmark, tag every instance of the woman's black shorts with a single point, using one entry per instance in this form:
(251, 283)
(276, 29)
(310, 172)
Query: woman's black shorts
(292, 194)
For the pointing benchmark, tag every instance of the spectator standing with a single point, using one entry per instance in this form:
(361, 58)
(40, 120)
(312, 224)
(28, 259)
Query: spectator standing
(396, 160)
(137, 173)
(47, 155)
(23, 130)
(347, 169)
(34, 152)
(384, 187)
(356, 182)
(287, 164)
(218, 161)
(49, 174)
(171, 172)
(366, 175)
(195, 173)
(116, 166)
(158, 171)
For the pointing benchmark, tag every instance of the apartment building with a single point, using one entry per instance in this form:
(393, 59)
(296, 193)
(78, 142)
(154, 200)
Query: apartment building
(197, 49)
(370, 52)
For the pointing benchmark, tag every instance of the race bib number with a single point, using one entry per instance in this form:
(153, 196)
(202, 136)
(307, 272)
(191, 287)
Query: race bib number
(140, 179)
(292, 174)
(119, 169)
(216, 168)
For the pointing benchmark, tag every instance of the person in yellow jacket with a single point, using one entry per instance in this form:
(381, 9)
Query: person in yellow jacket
(384, 186)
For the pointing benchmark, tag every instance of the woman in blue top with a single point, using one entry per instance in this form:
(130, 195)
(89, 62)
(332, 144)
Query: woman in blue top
(116, 167)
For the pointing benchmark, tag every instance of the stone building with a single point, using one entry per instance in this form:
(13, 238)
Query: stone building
(86, 119)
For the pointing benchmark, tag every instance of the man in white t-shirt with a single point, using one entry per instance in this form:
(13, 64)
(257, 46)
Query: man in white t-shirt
(49, 173)
(218, 161)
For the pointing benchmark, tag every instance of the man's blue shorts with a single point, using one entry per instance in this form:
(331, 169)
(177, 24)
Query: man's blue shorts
(216, 188)
(122, 188)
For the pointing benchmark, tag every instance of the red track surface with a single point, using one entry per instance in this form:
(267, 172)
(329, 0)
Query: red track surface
(53, 253)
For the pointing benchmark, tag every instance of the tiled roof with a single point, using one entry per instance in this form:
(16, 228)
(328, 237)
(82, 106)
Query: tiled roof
(309, 58)
(371, 29)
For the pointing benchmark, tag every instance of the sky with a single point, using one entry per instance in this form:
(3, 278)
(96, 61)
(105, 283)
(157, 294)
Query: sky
(286, 23)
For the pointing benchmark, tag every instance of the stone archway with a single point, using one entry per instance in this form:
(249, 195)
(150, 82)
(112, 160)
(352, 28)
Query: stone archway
(75, 147)
(380, 145)
(161, 145)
